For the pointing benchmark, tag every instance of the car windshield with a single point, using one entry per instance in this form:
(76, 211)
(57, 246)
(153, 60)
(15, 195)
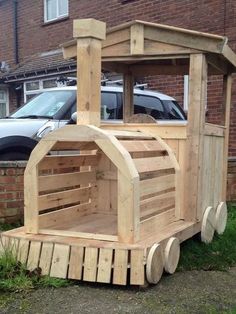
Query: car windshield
(46, 104)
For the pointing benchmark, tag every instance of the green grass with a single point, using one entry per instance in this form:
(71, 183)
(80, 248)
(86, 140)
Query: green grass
(220, 254)
(15, 277)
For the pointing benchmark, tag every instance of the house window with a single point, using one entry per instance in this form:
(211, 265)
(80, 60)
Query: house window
(33, 88)
(4, 102)
(55, 9)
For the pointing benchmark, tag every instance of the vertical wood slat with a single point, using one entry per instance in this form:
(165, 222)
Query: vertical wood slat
(46, 258)
(90, 264)
(34, 253)
(128, 209)
(23, 250)
(128, 102)
(104, 265)
(196, 120)
(120, 267)
(60, 261)
(137, 276)
(76, 263)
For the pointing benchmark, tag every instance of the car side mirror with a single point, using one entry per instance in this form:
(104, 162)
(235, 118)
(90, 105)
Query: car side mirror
(73, 118)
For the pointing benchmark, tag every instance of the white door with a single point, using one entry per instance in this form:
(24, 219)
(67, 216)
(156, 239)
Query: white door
(4, 102)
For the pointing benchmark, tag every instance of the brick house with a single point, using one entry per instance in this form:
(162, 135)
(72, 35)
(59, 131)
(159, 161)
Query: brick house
(32, 31)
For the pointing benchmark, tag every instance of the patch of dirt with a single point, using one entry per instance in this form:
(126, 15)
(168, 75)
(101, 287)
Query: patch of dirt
(183, 292)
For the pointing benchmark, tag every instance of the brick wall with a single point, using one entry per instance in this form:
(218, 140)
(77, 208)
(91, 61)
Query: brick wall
(11, 191)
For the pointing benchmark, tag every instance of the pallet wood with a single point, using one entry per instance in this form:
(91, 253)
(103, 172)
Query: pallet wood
(46, 258)
(76, 262)
(120, 267)
(34, 253)
(90, 264)
(60, 260)
(105, 265)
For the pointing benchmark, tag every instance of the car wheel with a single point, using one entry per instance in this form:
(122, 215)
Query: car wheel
(11, 156)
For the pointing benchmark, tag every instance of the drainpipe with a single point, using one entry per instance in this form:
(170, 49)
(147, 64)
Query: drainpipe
(15, 28)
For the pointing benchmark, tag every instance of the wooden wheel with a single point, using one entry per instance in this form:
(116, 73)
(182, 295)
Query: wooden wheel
(221, 217)
(172, 254)
(208, 225)
(155, 264)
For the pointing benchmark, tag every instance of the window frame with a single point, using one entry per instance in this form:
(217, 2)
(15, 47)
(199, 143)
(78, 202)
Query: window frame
(7, 99)
(58, 17)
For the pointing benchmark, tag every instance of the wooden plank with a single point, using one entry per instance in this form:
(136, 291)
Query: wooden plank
(90, 264)
(116, 37)
(137, 276)
(156, 222)
(34, 253)
(214, 130)
(81, 145)
(140, 146)
(65, 197)
(60, 261)
(153, 164)
(129, 134)
(158, 184)
(67, 161)
(128, 95)
(104, 265)
(156, 205)
(23, 251)
(76, 262)
(77, 234)
(195, 130)
(104, 195)
(137, 39)
(64, 215)
(128, 209)
(120, 267)
(46, 258)
(58, 181)
(31, 200)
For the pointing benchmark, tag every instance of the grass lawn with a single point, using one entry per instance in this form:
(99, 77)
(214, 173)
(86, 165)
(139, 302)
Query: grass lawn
(220, 254)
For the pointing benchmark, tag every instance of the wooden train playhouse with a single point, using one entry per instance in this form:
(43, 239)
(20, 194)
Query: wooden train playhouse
(111, 202)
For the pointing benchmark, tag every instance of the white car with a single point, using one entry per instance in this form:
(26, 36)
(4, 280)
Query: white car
(53, 108)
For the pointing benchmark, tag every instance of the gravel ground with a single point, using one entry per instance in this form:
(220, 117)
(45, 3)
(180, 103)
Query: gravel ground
(183, 292)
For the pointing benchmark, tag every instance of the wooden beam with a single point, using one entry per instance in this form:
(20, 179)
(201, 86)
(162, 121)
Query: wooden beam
(128, 95)
(137, 39)
(195, 131)
(218, 63)
(89, 34)
(227, 87)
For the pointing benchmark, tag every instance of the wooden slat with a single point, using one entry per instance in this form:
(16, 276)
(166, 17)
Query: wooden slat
(60, 146)
(23, 251)
(104, 265)
(104, 195)
(67, 161)
(139, 146)
(137, 39)
(76, 262)
(129, 134)
(214, 130)
(60, 261)
(120, 267)
(34, 253)
(137, 276)
(77, 234)
(65, 197)
(157, 184)
(153, 164)
(64, 215)
(58, 181)
(46, 258)
(156, 222)
(157, 204)
(90, 264)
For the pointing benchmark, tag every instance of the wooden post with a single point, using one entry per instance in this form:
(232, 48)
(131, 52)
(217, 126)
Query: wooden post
(227, 86)
(89, 34)
(195, 136)
(128, 92)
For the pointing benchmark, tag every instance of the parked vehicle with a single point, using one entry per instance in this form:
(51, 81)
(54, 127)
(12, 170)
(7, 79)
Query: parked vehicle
(53, 108)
